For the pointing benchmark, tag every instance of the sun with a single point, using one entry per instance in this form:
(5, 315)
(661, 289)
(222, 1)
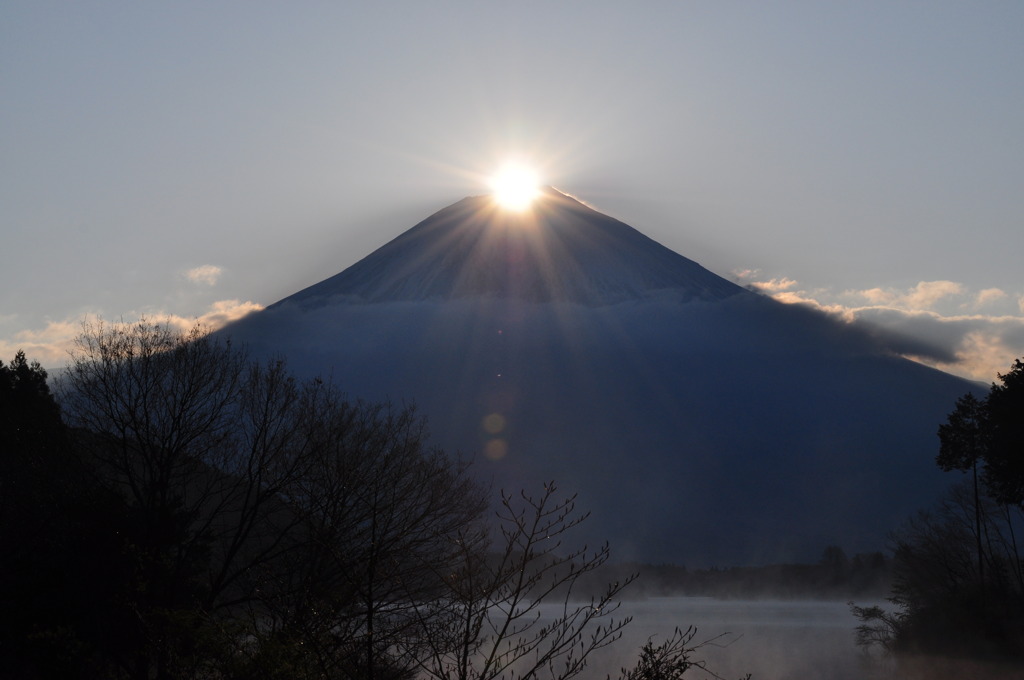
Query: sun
(515, 186)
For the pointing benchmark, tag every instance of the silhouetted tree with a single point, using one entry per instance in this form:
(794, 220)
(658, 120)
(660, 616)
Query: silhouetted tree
(1004, 458)
(959, 577)
(176, 431)
(210, 516)
(511, 611)
(61, 567)
(990, 433)
(672, 658)
(380, 517)
(28, 412)
(963, 445)
(261, 508)
(31, 437)
(944, 605)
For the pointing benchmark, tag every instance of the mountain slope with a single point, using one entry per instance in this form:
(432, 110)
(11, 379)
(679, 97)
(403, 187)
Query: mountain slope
(562, 250)
(701, 423)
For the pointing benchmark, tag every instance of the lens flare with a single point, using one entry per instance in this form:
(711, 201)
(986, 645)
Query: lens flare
(494, 423)
(496, 449)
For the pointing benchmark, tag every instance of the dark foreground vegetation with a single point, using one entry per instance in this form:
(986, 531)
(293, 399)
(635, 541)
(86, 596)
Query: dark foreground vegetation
(958, 586)
(180, 511)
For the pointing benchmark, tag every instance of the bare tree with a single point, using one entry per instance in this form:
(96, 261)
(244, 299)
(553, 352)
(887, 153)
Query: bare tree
(671, 659)
(944, 600)
(199, 441)
(271, 517)
(514, 611)
(381, 513)
(272, 528)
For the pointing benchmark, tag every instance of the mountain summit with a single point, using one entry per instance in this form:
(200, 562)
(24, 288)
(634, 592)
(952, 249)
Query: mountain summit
(700, 422)
(560, 250)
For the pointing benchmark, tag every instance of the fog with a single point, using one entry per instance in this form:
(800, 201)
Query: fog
(772, 640)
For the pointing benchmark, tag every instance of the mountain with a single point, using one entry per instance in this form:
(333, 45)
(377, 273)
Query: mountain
(562, 252)
(700, 422)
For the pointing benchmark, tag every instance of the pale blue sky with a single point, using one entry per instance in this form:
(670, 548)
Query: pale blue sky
(845, 151)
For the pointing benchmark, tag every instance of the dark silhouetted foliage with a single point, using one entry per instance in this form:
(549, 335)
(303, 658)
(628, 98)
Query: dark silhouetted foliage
(1005, 420)
(62, 572)
(271, 526)
(944, 603)
(202, 515)
(671, 659)
(959, 578)
(990, 432)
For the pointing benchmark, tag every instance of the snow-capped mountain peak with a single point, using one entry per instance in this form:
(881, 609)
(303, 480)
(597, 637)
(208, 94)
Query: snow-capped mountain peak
(560, 250)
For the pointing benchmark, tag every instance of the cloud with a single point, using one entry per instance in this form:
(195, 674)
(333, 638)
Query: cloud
(207, 274)
(923, 296)
(224, 312)
(985, 355)
(749, 278)
(48, 345)
(51, 344)
(774, 285)
(989, 295)
(918, 322)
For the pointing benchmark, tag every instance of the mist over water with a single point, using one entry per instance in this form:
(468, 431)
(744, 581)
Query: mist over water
(772, 640)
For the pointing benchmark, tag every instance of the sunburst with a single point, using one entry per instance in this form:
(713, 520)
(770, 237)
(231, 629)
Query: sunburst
(515, 186)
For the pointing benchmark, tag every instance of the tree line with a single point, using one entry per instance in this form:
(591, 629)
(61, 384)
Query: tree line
(957, 567)
(835, 576)
(176, 509)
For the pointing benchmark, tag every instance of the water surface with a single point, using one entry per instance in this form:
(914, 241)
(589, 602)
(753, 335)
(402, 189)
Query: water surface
(775, 640)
